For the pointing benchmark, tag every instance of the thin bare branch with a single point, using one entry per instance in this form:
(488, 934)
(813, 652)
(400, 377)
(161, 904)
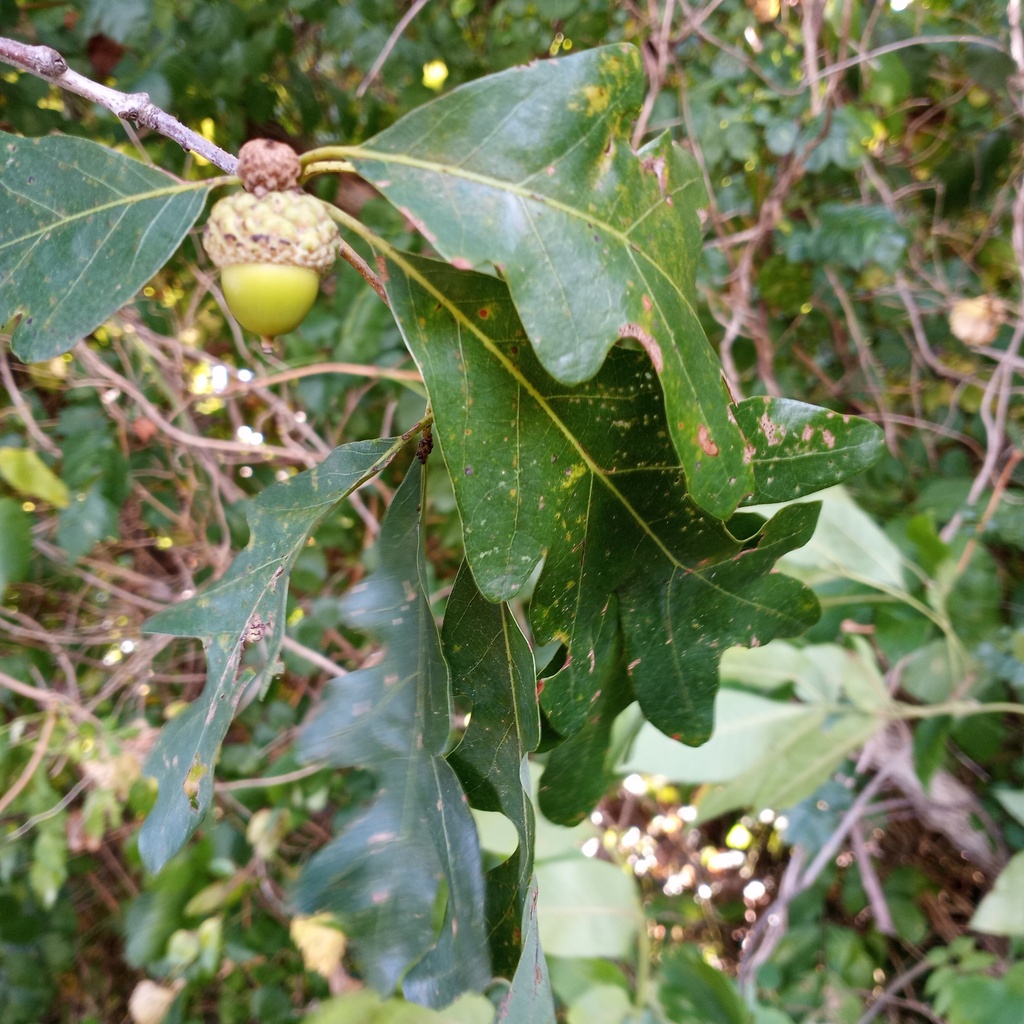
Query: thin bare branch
(136, 108)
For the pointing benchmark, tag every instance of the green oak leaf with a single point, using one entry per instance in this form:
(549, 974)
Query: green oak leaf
(82, 229)
(585, 479)
(529, 999)
(382, 875)
(492, 665)
(530, 172)
(797, 448)
(241, 621)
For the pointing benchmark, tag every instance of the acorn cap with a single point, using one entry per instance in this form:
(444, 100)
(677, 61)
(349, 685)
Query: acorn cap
(268, 166)
(284, 228)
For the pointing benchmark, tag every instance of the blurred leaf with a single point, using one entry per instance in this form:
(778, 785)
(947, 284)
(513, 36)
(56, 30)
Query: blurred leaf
(15, 543)
(241, 614)
(367, 1007)
(547, 470)
(747, 729)
(29, 475)
(381, 875)
(855, 235)
(930, 741)
(530, 172)
(87, 521)
(1012, 800)
(800, 762)
(587, 908)
(846, 544)
(691, 989)
(82, 229)
(1001, 912)
(601, 1004)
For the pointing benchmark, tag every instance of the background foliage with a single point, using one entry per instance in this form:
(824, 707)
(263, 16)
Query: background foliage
(863, 249)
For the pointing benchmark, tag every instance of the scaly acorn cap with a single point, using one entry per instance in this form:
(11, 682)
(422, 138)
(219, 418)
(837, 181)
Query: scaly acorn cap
(284, 228)
(272, 251)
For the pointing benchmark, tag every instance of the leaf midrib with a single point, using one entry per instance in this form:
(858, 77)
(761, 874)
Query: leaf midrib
(125, 201)
(356, 153)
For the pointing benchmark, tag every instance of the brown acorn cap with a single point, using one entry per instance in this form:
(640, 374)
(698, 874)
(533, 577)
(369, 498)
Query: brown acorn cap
(268, 166)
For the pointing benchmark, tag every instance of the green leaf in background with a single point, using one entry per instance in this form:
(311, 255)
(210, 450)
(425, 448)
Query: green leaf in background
(530, 172)
(382, 875)
(1001, 912)
(589, 907)
(586, 478)
(691, 989)
(492, 664)
(800, 448)
(82, 229)
(856, 236)
(241, 620)
(800, 762)
(367, 1007)
(27, 474)
(87, 520)
(15, 542)
(847, 544)
(748, 728)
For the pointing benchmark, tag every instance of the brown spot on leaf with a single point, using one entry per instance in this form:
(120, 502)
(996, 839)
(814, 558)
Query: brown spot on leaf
(651, 347)
(807, 434)
(656, 165)
(829, 438)
(461, 263)
(773, 433)
(705, 440)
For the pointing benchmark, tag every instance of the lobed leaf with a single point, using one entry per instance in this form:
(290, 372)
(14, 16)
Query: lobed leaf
(585, 478)
(530, 172)
(382, 875)
(241, 621)
(492, 666)
(796, 448)
(82, 229)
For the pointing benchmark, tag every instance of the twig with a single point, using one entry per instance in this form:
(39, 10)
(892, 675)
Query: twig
(316, 369)
(269, 780)
(771, 926)
(136, 108)
(350, 256)
(396, 34)
(315, 657)
(46, 698)
(42, 745)
(656, 68)
(21, 406)
(922, 967)
(869, 879)
(52, 812)
(181, 436)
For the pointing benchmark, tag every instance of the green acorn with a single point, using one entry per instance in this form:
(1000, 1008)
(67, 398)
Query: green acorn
(272, 243)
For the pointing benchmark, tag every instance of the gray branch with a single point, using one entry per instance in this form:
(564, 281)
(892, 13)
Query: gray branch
(136, 108)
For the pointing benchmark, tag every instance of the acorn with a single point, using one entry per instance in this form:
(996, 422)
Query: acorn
(272, 242)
